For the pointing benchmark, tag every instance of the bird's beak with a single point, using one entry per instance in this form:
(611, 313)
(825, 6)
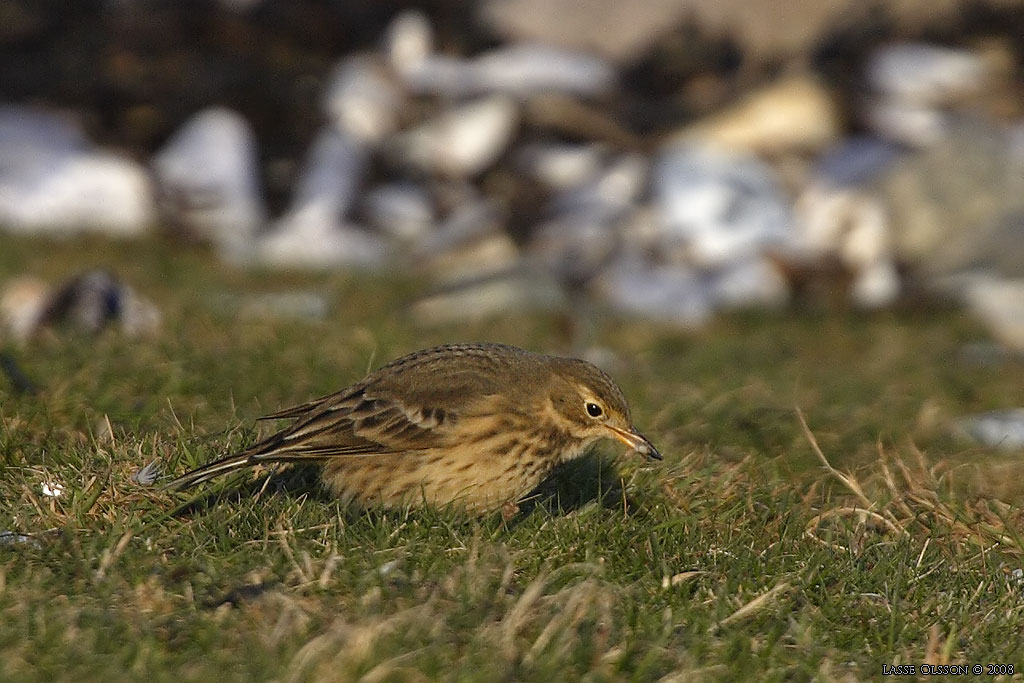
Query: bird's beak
(636, 441)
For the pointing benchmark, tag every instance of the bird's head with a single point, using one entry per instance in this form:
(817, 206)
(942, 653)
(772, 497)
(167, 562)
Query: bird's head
(590, 401)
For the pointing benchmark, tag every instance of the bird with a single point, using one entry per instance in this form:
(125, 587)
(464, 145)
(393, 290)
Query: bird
(474, 425)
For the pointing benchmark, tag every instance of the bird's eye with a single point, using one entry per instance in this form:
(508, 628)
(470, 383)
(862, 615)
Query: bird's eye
(594, 410)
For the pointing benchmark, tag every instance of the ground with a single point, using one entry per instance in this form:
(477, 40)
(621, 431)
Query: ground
(741, 556)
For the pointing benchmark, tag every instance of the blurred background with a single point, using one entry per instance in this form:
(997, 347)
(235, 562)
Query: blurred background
(661, 163)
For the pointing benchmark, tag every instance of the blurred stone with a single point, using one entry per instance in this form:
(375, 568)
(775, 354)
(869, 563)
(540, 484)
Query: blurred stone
(462, 141)
(314, 232)
(514, 291)
(53, 181)
(840, 216)
(854, 227)
(999, 304)
(926, 74)
(720, 206)
(22, 304)
(401, 210)
(916, 85)
(567, 116)
(520, 70)
(794, 114)
(1002, 429)
(910, 124)
(612, 191)
(209, 182)
(560, 166)
(9, 538)
(753, 283)
(88, 302)
(573, 247)
(362, 100)
(408, 41)
(876, 285)
(138, 316)
(470, 243)
(530, 68)
(330, 175)
(666, 294)
(855, 161)
(305, 241)
(950, 204)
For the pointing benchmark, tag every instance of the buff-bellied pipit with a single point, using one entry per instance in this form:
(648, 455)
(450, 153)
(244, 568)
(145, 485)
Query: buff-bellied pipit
(477, 425)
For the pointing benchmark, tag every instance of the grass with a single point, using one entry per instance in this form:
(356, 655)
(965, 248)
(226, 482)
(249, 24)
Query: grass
(763, 548)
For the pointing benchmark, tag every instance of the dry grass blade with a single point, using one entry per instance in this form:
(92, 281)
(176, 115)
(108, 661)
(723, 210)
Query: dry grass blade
(812, 526)
(111, 554)
(753, 607)
(847, 480)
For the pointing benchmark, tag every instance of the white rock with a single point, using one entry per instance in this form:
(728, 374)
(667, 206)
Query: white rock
(531, 68)
(306, 242)
(613, 191)
(512, 292)
(314, 232)
(877, 285)
(722, 206)
(209, 181)
(53, 181)
(520, 71)
(925, 74)
(408, 41)
(453, 77)
(910, 124)
(87, 192)
(469, 243)
(462, 141)
(868, 240)
(401, 210)
(362, 100)
(999, 428)
(999, 304)
(330, 176)
(561, 166)
(573, 247)
(848, 223)
(659, 293)
(748, 284)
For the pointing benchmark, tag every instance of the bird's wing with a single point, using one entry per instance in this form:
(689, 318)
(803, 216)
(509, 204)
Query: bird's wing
(375, 419)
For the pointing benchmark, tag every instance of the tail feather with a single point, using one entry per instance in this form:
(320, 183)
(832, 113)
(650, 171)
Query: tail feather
(258, 454)
(211, 470)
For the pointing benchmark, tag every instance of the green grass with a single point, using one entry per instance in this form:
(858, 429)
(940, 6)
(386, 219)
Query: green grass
(739, 557)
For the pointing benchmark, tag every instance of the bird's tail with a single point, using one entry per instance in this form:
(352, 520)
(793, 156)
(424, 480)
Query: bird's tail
(213, 469)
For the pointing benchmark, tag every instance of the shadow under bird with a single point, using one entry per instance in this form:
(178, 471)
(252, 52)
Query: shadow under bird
(475, 425)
